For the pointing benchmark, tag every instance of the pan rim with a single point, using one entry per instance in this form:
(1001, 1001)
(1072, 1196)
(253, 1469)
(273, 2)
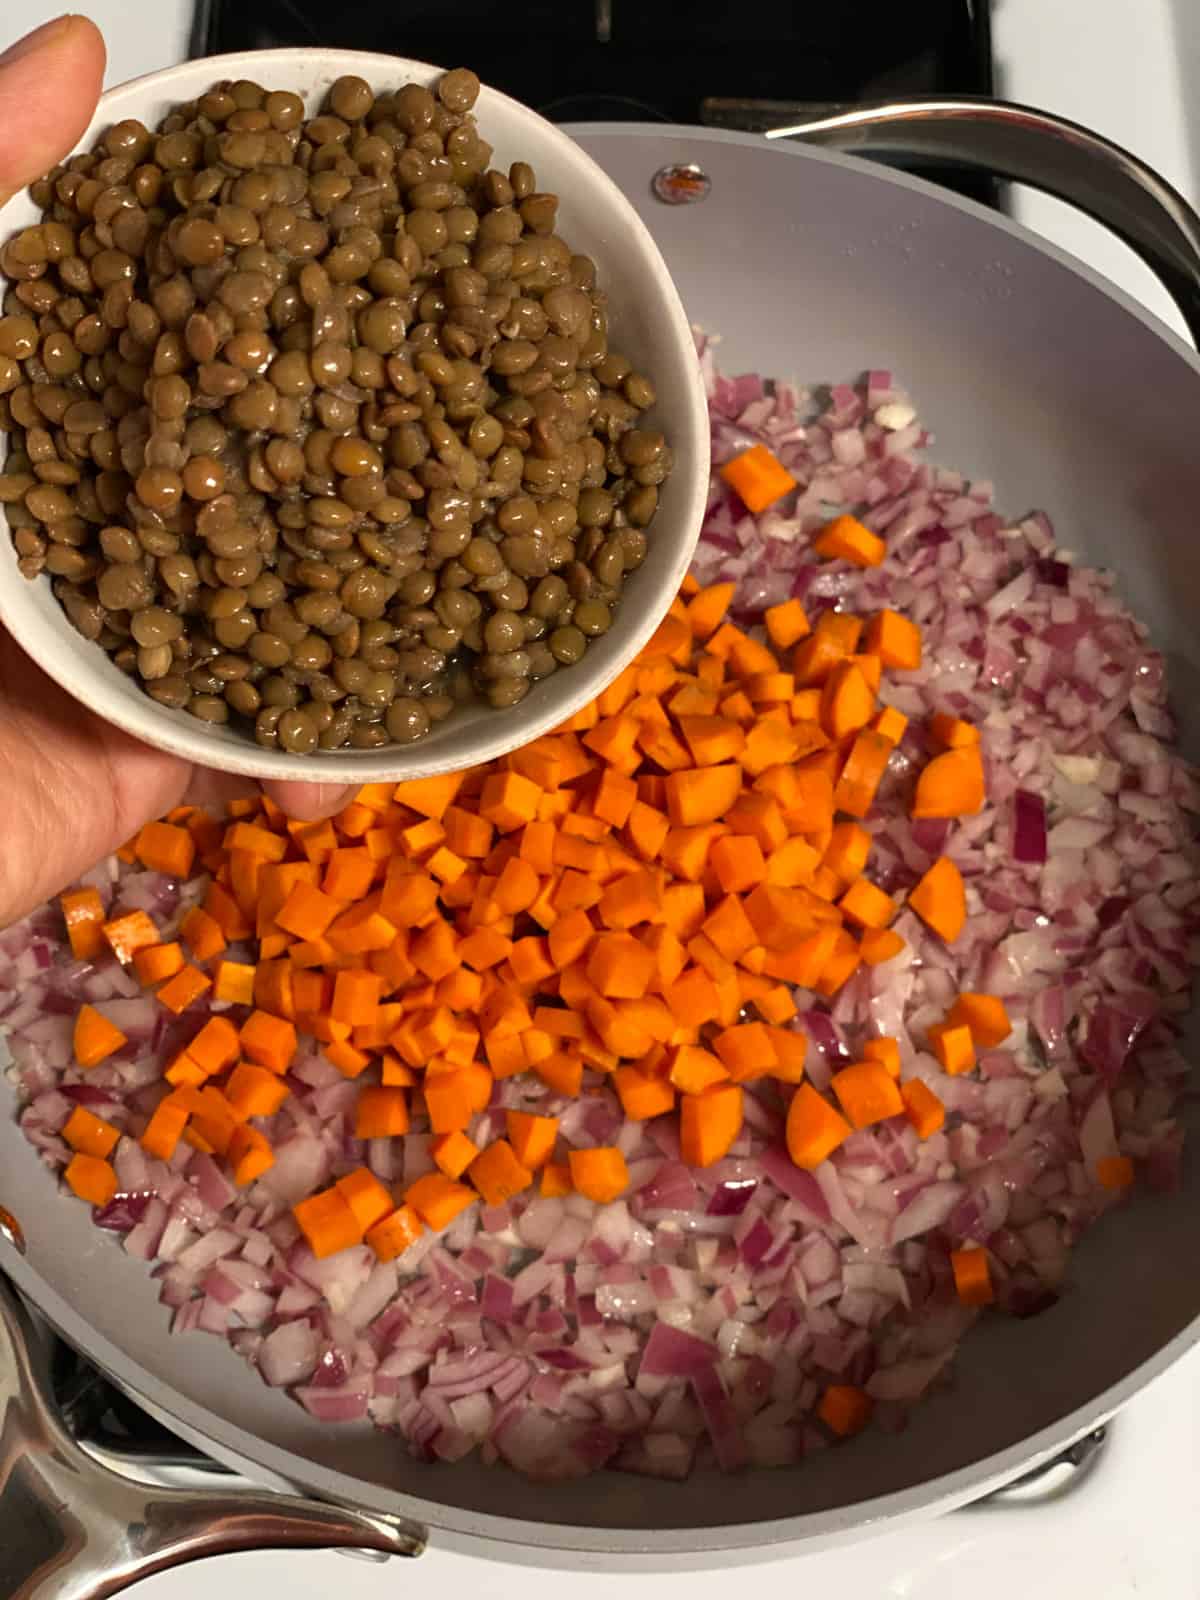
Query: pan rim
(633, 1548)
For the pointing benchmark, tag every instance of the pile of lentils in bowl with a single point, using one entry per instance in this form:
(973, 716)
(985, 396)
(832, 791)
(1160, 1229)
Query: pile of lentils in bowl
(315, 424)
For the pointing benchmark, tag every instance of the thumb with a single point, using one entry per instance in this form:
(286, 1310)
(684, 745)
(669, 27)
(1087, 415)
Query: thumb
(49, 84)
(306, 802)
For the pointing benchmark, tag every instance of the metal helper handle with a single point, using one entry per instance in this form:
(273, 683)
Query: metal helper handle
(999, 139)
(75, 1530)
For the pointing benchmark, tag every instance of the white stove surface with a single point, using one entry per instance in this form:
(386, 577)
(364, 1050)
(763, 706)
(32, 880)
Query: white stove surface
(1131, 69)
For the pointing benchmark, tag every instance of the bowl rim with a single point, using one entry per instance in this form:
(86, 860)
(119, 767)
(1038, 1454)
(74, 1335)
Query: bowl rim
(174, 732)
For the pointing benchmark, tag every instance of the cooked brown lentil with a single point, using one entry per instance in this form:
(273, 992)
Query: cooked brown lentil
(314, 423)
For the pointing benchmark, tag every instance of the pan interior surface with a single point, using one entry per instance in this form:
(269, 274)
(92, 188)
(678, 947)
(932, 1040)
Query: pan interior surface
(812, 267)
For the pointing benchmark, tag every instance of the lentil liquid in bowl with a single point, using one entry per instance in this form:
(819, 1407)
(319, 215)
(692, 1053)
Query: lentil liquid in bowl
(316, 427)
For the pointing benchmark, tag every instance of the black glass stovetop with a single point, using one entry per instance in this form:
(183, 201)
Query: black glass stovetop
(649, 60)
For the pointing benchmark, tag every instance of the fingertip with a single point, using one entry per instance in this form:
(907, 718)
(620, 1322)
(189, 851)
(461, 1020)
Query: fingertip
(50, 82)
(308, 802)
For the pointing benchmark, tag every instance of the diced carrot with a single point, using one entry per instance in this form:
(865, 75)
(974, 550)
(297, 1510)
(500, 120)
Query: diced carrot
(434, 951)
(350, 1061)
(129, 933)
(429, 797)
(890, 724)
(694, 1069)
(840, 967)
(498, 1174)
(940, 899)
(729, 929)
(867, 1093)
(951, 732)
(845, 1409)
(879, 944)
(212, 1117)
(453, 1153)
(83, 912)
(449, 1100)
(250, 1155)
(701, 795)
(361, 930)
(556, 1180)
(953, 1047)
(951, 785)
(814, 1128)
(307, 912)
(234, 982)
(985, 1015)
(867, 905)
(381, 1113)
(268, 1041)
(394, 1074)
(216, 1046)
(922, 1107)
(775, 1004)
(562, 1072)
(164, 848)
(508, 800)
(155, 962)
(437, 1200)
(185, 1072)
(257, 840)
(641, 1094)
(254, 1092)
(895, 640)
(531, 1137)
(355, 820)
(392, 1236)
(861, 773)
(1114, 1172)
(84, 1131)
(91, 1179)
(408, 898)
(328, 1223)
(221, 906)
(791, 1050)
(356, 995)
(846, 538)
(886, 1051)
(972, 1276)
(164, 1129)
(694, 995)
(599, 1173)
(203, 934)
(847, 702)
(737, 860)
(706, 610)
(746, 1051)
(369, 1200)
(95, 1037)
(709, 1122)
(620, 967)
(786, 624)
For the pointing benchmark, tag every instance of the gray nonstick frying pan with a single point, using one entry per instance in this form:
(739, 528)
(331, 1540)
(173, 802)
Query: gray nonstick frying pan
(812, 264)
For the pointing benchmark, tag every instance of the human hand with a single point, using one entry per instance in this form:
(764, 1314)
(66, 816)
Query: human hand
(72, 787)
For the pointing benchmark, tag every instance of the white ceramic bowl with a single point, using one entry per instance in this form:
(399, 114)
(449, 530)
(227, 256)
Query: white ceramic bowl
(647, 321)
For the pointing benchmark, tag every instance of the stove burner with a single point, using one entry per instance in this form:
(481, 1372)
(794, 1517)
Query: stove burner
(650, 60)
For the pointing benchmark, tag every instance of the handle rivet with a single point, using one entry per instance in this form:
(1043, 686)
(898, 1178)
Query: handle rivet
(681, 185)
(11, 1231)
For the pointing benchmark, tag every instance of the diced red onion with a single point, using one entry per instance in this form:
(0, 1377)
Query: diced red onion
(715, 1305)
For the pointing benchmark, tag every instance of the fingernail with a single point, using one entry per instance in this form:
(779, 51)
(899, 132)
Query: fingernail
(40, 37)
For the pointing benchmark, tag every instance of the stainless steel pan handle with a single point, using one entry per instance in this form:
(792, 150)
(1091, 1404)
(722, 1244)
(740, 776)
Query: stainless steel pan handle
(1020, 143)
(74, 1530)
